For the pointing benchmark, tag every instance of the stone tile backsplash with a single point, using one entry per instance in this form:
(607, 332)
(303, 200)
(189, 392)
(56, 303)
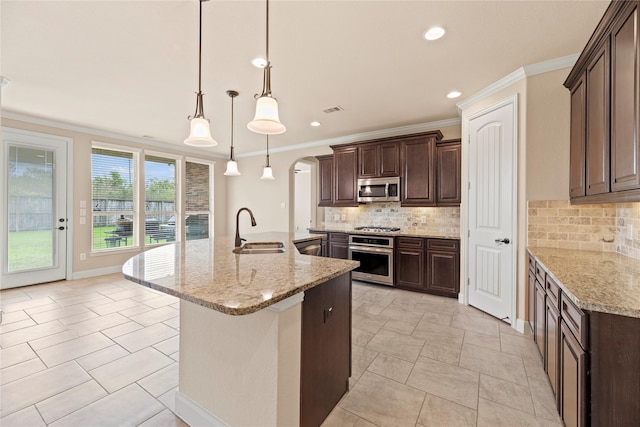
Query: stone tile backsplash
(441, 220)
(602, 227)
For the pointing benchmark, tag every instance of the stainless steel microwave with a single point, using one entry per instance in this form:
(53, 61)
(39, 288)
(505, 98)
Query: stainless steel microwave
(379, 190)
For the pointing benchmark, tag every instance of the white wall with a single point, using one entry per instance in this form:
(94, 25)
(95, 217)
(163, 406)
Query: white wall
(302, 198)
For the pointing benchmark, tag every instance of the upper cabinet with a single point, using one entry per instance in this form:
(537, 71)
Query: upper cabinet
(418, 158)
(345, 177)
(429, 169)
(448, 165)
(377, 160)
(605, 111)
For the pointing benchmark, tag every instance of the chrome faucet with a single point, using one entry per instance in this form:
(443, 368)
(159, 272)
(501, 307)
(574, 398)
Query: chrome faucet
(253, 224)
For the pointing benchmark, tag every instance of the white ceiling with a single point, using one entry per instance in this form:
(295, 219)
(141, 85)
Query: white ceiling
(130, 67)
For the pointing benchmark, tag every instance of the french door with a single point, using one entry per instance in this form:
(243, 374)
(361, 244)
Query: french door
(34, 208)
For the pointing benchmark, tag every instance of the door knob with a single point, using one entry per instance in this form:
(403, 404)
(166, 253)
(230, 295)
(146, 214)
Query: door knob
(506, 241)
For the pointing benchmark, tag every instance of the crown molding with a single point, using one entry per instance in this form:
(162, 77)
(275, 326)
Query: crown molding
(106, 134)
(517, 75)
(358, 137)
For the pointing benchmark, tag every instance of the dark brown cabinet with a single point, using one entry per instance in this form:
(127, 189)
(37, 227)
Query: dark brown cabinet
(378, 160)
(418, 171)
(625, 141)
(428, 265)
(540, 317)
(443, 267)
(345, 164)
(325, 348)
(325, 180)
(573, 373)
(552, 340)
(339, 245)
(409, 263)
(531, 292)
(448, 165)
(605, 111)
(597, 80)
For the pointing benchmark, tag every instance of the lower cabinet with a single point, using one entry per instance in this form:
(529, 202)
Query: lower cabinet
(552, 340)
(573, 379)
(338, 245)
(428, 265)
(325, 349)
(540, 317)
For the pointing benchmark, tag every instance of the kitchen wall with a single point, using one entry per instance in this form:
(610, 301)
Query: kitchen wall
(431, 221)
(598, 227)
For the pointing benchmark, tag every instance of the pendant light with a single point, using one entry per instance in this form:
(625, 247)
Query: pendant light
(266, 120)
(267, 172)
(200, 135)
(232, 165)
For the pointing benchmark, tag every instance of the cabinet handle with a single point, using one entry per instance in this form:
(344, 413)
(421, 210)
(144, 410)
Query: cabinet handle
(328, 312)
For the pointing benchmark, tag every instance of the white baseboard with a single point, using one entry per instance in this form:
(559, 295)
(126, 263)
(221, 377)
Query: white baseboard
(194, 414)
(520, 325)
(97, 272)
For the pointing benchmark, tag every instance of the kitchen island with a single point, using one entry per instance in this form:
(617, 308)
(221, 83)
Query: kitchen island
(255, 329)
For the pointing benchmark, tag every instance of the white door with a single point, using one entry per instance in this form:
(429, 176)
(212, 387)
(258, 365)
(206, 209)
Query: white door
(34, 215)
(492, 202)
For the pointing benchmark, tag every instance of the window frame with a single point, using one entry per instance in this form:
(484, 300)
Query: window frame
(178, 204)
(210, 212)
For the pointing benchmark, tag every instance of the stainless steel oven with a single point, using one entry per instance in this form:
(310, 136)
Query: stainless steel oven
(375, 254)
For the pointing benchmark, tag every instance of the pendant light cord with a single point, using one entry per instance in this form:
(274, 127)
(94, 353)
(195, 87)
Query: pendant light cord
(267, 32)
(268, 165)
(232, 154)
(200, 52)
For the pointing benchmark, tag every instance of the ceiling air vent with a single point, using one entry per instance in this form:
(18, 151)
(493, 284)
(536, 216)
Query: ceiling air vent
(333, 109)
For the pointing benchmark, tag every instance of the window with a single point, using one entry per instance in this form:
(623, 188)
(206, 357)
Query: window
(113, 192)
(159, 199)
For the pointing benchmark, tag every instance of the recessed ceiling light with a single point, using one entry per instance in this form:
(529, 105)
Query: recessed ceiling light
(453, 94)
(315, 124)
(434, 33)
(259, 62)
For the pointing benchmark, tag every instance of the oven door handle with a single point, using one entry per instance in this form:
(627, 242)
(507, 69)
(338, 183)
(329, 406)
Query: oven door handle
(370, 249)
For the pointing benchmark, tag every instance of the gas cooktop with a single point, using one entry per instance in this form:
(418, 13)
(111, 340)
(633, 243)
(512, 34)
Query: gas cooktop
(374, 228)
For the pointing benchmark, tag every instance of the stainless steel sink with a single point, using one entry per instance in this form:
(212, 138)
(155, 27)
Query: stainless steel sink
(260, 248)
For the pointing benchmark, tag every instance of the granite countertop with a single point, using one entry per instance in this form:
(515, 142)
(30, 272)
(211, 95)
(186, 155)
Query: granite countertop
(207, 273)
(596, 281)
(401, 233)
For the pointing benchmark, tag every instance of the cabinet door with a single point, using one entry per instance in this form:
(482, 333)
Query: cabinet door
(345, 167)
(339, 245)
(577, 141)
(573, 377)
(409, 264)
(443, 272)
(448, 167)
(418, 173)
(625, 145)
(598, 142)
(540, 318)
(325, 180)
(325, 348)
(368, 161)
(389, 158)
(531, 292)
(552, 335)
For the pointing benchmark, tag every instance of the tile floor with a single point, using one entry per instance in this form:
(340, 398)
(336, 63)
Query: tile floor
(104, 352)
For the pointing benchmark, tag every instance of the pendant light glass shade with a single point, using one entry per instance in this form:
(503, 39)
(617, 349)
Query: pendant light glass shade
(267, 173)
(232, 168)
(266, 120)
(200, 133)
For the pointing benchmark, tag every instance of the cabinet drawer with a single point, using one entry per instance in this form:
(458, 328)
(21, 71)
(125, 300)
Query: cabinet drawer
(540, 273)
(576, 320)
(449, 244)
(410, 242)
(553, 292)
(532, 262)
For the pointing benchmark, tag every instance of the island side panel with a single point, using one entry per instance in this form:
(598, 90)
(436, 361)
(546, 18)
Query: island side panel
(238, 369)
(326, 348)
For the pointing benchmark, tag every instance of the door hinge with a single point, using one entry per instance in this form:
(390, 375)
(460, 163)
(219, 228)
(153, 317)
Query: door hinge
(468, 233)
(468, 281)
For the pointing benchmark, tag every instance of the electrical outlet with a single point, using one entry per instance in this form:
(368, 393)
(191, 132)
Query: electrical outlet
(336, 217)
(83, 257)
(83, 220)
(283, 205)
(423, 219)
